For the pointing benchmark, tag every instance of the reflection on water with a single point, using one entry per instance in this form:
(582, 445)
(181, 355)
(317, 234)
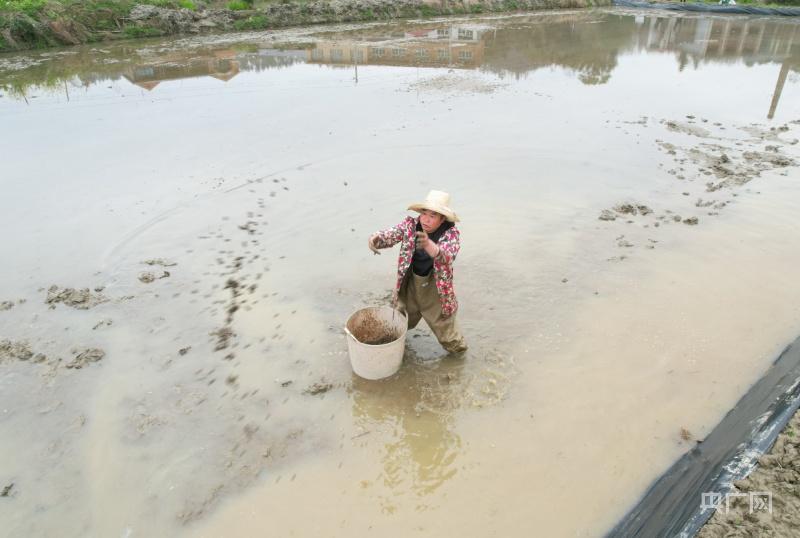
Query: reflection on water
(587, 43)
(417, 407)
(220, 64)
(440, 46)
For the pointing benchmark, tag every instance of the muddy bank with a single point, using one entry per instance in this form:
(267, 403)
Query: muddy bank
(766, 503)
(66, 23)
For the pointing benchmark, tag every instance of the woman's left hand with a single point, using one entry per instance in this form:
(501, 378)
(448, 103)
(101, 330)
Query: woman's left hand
(424, 242)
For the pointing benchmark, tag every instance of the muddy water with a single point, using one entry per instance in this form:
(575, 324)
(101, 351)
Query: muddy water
(213, 197)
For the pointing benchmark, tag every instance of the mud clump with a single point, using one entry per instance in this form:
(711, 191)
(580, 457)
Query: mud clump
(626, 209)
(7, 490)
(159, 261)
(20, 351)
(318, 388)
(607, 214)
(6, 305)
(776, 160)
(148, 277)
(686, 128)
(86, 357)
(632, 209)
(82, 299)
(691, 221)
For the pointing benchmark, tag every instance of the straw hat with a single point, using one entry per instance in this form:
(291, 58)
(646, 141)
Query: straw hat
(436, 201)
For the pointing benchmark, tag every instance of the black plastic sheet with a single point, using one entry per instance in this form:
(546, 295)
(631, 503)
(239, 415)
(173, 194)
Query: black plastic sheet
(673, 506)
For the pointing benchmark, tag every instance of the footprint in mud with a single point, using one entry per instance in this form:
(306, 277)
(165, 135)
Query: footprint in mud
(86, 357)
(161, 261)
(6, 492)
(103, 323)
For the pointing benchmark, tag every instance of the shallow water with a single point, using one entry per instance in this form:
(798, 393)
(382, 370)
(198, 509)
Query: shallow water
(259, 163)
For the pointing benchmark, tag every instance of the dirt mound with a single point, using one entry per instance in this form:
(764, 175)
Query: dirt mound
(21, 351)
(82, 299)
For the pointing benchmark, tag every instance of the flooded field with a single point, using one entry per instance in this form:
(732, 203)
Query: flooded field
(184, 235)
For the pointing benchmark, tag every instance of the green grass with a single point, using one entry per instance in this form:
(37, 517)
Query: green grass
(256, 22)
(34, 7)
(240, 5)
(30, 7)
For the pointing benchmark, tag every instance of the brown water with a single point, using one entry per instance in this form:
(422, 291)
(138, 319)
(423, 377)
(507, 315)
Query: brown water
(250, 169)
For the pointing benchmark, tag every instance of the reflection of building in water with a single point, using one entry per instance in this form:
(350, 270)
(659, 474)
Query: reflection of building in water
(450, 46)
(573, 41)
(727, 39)
(220, 64)
(585, 43)
(746, 39)
(261, 59)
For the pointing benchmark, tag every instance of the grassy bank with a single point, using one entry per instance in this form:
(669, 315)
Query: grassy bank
(27, 24)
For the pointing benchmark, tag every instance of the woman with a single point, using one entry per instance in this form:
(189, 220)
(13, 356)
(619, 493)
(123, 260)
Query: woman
(429, 245)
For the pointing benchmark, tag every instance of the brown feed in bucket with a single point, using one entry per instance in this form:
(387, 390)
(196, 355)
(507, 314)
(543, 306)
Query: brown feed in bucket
(372, 331)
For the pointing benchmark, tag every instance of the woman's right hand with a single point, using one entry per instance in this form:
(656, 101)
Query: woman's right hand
(371, 244)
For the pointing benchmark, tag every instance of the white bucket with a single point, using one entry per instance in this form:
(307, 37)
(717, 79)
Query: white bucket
(376, 323)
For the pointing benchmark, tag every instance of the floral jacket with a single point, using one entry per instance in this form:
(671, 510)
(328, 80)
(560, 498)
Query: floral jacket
(449, 245)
